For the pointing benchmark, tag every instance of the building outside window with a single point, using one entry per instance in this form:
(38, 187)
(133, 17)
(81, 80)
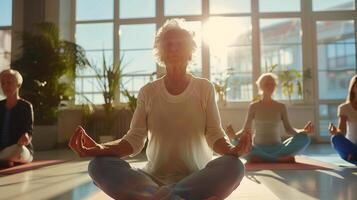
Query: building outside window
(336, 64)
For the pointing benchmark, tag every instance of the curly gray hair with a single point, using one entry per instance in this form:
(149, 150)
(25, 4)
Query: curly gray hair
(175, 24)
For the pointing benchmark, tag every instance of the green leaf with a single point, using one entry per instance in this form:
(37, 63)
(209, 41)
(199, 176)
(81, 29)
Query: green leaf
(52, 62)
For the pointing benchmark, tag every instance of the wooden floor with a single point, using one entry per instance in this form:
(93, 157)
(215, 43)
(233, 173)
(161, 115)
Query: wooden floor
(70, 180)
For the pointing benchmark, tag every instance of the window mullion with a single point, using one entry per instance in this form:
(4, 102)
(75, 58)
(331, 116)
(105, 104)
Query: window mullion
(116, 45)
(308, 50)
(255, 44)
(205, 47)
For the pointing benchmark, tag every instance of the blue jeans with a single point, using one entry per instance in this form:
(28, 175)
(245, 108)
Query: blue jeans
(119, 180)
(290, 147)
(344, 148)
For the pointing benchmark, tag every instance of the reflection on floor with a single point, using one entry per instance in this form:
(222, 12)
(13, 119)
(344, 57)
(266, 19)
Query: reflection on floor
(70, 180)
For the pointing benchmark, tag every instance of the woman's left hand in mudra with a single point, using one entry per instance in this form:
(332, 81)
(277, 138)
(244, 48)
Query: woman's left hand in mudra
(244, 146)
(309, 127)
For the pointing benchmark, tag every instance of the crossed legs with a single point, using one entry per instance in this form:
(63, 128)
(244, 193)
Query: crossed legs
(15, 154)
(120, 181)
(345, 148)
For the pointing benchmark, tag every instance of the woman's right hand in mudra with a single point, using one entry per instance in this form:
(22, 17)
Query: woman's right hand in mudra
(309, 127)
(245, 144)
(232, 135)
(82, 144)
(332, 129)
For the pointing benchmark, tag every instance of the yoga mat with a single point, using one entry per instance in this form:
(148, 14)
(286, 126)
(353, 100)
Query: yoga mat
(29, 166)
(302, 163)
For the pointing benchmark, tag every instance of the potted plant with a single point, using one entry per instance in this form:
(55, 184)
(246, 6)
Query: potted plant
(221, 87)
(132, 100)
(108, 77)
(48, 65)
(290, 81)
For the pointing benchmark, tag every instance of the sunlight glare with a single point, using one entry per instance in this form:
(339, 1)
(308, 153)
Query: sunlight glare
(220, 31)
(221, 34)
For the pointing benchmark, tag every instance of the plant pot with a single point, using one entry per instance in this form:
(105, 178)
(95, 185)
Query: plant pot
(221, 100)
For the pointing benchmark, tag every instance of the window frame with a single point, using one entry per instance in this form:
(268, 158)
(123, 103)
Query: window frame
(308, 19)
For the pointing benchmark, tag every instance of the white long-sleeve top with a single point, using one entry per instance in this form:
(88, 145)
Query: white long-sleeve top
(181, 129)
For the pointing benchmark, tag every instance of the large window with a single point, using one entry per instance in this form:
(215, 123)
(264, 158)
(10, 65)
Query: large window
(97, 40)
(229, 6)
(281, 47)
(179, 7)
(136, 41)
(226, 29)
(230, 46)
(130, 44)
(94, 32)
(279, 6)
(336, 58)
(129, 9)
(237, 41)
(333, 5)
(336, 64)
(5, 33)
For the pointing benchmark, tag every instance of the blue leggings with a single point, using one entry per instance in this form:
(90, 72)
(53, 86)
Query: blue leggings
(119, 180)
(290, 147)
(344, 148)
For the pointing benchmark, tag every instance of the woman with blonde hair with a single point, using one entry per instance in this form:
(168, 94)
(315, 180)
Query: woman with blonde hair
(344, 138)
(268, 114)
(16, 122)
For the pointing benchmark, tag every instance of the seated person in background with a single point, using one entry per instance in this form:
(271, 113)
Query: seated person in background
(344, 138)
(16, 122)
(268, 115)
(178, 115)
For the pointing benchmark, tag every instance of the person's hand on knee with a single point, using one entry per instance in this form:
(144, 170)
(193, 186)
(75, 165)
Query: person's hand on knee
(24, 140)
